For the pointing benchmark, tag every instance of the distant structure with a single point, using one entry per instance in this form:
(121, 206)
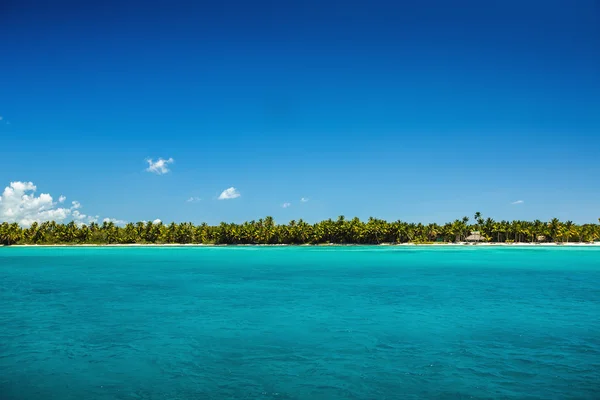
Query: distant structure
(475, 236)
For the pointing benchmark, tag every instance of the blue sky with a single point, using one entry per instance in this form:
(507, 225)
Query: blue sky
(420, 111)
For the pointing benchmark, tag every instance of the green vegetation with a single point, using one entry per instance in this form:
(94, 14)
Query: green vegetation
(340, 231)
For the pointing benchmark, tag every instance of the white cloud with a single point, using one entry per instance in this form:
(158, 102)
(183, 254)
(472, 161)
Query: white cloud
(18, 203)
(193, 199)
(115, 221)
(286, 205)
(159, 166)
(517, 202)
(231, 193)
(82, 219)
(304, 199)
(155, 222)
(1, 117)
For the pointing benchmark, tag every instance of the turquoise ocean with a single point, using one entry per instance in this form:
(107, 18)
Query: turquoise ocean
(300, 323)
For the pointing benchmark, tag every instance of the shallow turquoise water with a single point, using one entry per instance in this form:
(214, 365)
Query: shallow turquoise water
(299, 323)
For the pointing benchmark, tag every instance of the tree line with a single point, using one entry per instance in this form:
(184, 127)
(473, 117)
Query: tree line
(266, 231)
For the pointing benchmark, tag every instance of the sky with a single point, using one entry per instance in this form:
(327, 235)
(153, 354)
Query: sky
(235, 110)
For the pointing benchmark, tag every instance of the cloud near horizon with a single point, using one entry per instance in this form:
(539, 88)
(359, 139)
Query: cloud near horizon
(155, 222)
(193, 199)
(304, 199)
(115, 221)
(286, 205)
(228, 194)
(517, 202)
(18, 203)
(160, 166)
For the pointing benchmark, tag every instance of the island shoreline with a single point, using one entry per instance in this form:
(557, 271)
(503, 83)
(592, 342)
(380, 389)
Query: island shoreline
(200, 245)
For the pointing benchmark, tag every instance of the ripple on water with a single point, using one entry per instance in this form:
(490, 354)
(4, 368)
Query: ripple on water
(300, 323)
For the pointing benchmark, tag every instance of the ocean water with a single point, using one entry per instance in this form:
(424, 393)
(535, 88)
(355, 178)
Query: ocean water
(299, 323)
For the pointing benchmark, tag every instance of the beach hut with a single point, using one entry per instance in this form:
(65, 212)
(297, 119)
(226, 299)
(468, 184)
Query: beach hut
(541, 238)
(475, 236)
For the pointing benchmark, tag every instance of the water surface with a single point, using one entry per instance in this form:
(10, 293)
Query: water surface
(299, 323)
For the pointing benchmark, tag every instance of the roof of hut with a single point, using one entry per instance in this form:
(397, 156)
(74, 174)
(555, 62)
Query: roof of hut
(475, 237)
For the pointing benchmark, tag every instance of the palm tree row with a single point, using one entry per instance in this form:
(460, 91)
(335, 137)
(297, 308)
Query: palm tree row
(265, 231)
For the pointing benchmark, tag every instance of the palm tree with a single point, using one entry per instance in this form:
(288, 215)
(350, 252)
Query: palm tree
(579, 231)
(568, 229)
(496, 228)
(266, 231)
(458, 229)
(477, 217)
(554, 229)
(10, 234)
(432, 232)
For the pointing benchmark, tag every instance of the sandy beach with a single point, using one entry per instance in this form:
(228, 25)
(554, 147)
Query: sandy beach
(460, 244)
